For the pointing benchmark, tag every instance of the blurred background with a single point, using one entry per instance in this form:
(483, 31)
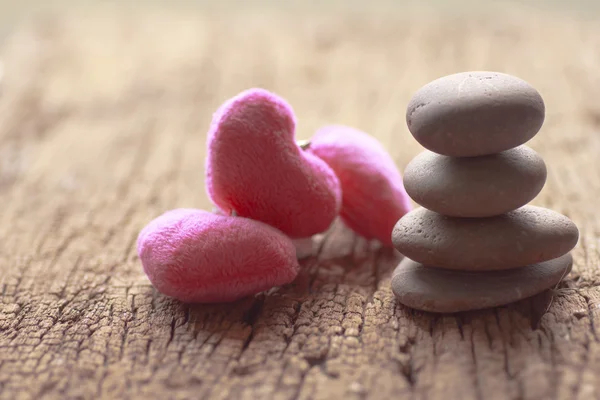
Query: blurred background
(13, 12)
(116, 81)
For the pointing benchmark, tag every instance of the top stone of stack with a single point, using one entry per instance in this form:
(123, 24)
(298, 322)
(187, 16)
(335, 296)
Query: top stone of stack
(475, 113)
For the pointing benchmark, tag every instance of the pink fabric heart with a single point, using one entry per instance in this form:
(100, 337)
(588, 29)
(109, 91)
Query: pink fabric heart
(196, 256)
(374, 195)
(255, 168)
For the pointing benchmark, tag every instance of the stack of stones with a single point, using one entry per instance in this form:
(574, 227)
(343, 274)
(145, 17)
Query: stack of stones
(475, 243)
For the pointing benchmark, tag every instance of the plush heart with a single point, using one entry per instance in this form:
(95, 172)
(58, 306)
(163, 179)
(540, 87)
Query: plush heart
(255, 169)
(374, 195)
(196, 256)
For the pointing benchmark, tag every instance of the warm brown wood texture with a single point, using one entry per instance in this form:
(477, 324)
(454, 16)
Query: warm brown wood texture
(102, 126)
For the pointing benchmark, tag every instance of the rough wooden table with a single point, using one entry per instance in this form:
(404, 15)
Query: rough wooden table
(102, 128)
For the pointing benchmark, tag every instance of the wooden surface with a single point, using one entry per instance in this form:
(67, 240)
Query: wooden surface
(102, 126)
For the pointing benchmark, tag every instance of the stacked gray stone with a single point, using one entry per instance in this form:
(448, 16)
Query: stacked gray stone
(475, 242)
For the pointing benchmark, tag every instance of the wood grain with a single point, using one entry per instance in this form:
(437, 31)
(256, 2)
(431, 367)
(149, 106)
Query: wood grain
(102, 128)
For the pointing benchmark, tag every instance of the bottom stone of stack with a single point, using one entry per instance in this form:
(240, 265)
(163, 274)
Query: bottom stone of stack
(439, 290)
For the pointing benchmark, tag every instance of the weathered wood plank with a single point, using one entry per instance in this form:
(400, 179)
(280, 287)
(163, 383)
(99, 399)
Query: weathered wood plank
(102, 124)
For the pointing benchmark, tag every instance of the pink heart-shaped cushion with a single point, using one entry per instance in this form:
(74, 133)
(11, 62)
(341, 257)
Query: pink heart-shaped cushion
(255, 168)
(197, 256)
(374, 195)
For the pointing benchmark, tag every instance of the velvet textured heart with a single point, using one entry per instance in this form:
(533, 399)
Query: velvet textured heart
(374, 197)
(255, 168)
(199, 257)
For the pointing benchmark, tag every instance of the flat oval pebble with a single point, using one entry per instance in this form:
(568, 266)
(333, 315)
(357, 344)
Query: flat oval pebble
(475, 113)
(528, 235)
(437, 290)
(475, 186)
